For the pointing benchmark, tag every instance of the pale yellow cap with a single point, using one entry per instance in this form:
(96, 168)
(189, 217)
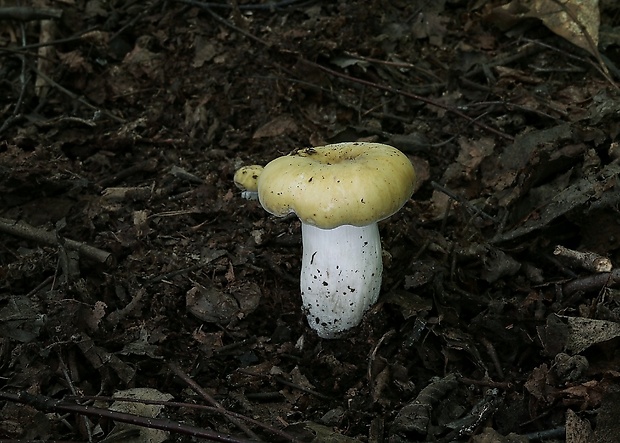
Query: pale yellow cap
(246, 177)
(342, 184)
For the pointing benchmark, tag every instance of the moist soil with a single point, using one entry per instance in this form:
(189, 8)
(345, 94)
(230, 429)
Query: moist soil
(129, 260)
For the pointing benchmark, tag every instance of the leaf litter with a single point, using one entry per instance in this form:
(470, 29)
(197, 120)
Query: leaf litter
(128, 259)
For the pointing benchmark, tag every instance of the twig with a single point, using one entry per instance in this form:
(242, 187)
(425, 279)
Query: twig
(40, 286)
(587, 260)
(22, 79)
(232, 347)
(395, 64)
(591, 282)
(219, 18)
(463, 201)
(600, 69)
(373, 354)
(555, 433)
(45, 57)
(26, 14)
(73, 38)
(76, 97)
(135, 19)
(410, 95)
(47, 404)
(213, 402)
(65, 372)
(288, 383)
(187, 269)
(269, 6)
(486, 383)
(301, 388)
(24, 230)
(524, 51)
(177, 404)
(493, 354)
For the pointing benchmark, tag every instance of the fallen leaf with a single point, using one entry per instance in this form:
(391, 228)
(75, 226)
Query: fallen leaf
(281, 125)
(574, 20)
(589, 394)
(585, 332)
(578, 430)
(145, 435)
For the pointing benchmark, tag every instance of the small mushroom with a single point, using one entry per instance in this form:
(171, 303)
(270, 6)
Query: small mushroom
(246, 179)
(339, 192)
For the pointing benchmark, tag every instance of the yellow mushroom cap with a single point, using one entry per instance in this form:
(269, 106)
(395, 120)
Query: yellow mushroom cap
(246, 177)
(341, 184)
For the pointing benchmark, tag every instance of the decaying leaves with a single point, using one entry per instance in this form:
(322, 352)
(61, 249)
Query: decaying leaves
(213, 305)
(144, 434)
(575, 20)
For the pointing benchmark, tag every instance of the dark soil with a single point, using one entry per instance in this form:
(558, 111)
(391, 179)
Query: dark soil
(128, 259)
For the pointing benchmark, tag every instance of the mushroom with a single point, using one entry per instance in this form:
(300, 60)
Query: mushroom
(339, 192)
(246, 179)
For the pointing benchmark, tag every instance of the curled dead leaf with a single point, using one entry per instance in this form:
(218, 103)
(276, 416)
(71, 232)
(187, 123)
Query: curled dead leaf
(213, 305)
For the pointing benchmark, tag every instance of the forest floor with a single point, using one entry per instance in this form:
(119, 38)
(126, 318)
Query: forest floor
(130, 265)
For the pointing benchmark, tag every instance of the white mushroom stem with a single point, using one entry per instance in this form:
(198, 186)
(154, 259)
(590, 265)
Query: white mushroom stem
(249, 195)
(340, 276)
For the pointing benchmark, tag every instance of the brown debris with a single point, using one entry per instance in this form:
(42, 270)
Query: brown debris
(129, 260)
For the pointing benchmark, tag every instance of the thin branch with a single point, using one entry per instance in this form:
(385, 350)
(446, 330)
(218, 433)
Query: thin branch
(601, 69)
(73, 38)
(136, 18)
(591, 283)
(76, 97)
(177, 404)
(213, 402)
(222, 20)
(23, 81)
(26, 14)
(268, 6)
(47, 404)
(24, 230)
(409, 95)
(463, 201)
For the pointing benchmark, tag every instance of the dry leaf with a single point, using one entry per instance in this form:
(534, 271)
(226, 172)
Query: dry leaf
(471, 154)
(585, 332)
(144, 434)
(590, 393)
(281, 125)
(97, 313)
(577, 430)
(538, 384)
(574, 20)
